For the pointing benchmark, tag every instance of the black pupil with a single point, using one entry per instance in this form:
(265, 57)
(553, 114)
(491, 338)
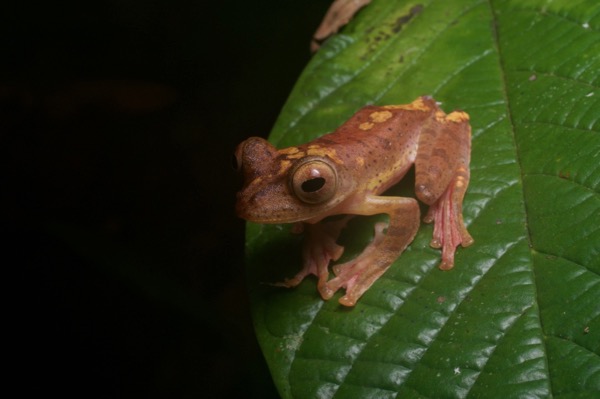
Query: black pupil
(312, 185)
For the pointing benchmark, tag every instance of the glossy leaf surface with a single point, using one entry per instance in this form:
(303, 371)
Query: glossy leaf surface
(519, 315)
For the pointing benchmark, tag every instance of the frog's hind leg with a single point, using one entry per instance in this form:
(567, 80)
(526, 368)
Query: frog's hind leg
(360, 273)
(442, 178)
(318, 249)
(449, 229)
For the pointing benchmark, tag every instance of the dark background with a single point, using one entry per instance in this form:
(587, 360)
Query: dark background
(124, 259)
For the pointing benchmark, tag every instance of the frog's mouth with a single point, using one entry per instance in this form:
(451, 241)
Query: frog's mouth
(273, 204)
(268, 204)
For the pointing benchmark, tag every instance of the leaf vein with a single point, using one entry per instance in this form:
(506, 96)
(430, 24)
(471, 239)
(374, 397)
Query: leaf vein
(591, 190)
(538, 122)
(553, 74)
(572, 261)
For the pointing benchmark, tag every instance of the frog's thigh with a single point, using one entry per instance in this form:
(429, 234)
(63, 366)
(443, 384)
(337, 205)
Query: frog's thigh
(444, 150)
(360, 273)
(402, 228)
(376, 204)
(404, 222)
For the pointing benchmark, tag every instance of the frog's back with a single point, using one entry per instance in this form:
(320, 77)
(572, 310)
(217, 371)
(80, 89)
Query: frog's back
(379, 129)
(379, 136)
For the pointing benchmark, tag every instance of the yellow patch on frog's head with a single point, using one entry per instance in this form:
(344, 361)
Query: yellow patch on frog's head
(289, 150)
(380, 116)
(284, 165)
(319, 151)
(292, 153)
(360, 161)
(366, 126)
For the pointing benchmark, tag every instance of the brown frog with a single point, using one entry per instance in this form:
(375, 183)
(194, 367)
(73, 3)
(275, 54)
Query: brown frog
(345, 172)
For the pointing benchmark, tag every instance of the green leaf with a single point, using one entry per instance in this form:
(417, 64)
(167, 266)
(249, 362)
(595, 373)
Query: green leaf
(519, 315)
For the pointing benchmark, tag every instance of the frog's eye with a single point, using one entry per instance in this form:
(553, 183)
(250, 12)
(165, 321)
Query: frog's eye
(314, 181)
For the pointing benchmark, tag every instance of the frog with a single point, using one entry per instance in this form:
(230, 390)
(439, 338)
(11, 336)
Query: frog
(320, 185)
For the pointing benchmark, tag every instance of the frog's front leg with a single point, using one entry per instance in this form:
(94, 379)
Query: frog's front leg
(442, 178)
(318, 249)
(360, 273)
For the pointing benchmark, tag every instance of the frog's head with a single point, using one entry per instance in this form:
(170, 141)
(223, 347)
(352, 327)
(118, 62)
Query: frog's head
(285, 186)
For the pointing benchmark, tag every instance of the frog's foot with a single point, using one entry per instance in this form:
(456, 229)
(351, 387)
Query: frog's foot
(319, 248)
(357, 275)
(449, 230)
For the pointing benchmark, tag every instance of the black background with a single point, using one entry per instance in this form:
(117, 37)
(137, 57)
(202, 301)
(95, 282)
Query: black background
(123, 258)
